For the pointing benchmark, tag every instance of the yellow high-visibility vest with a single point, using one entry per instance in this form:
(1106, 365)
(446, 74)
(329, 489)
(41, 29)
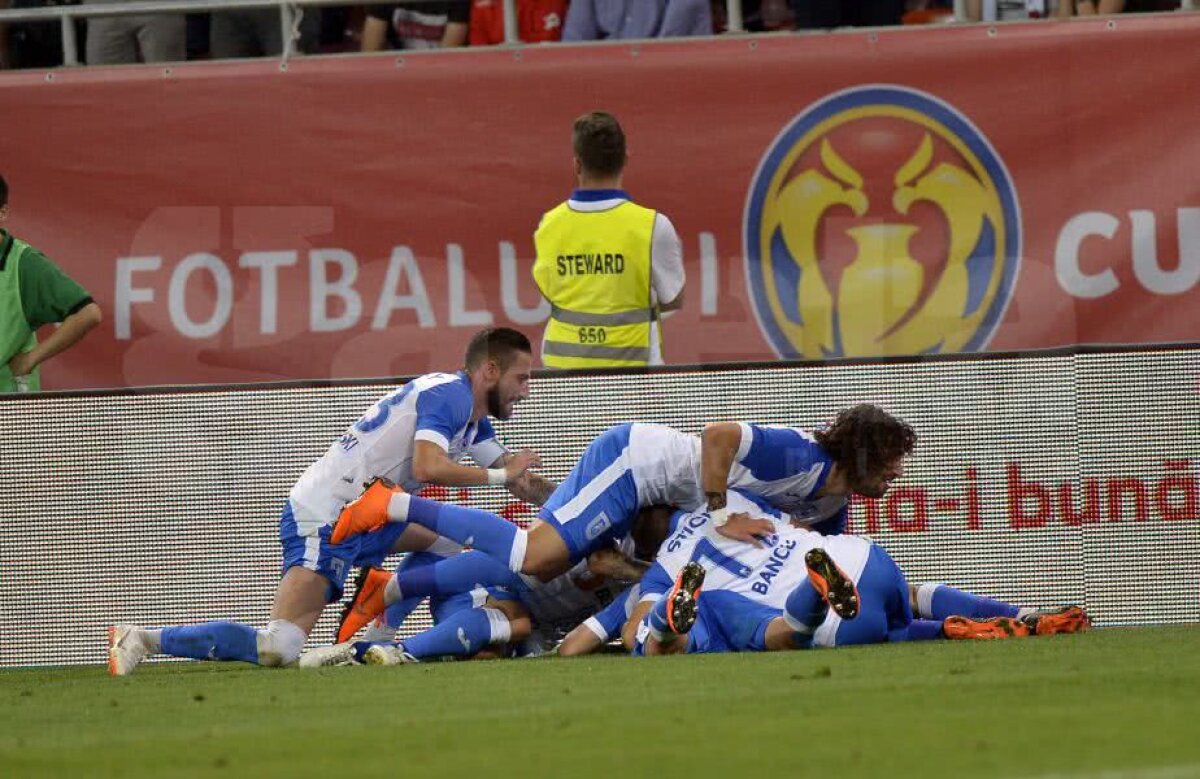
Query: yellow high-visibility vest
(594, 269)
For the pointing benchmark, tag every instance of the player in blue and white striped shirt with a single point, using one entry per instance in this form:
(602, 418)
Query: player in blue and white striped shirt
(797, 589)
(768, 597)
(630, 467)
(413, 436)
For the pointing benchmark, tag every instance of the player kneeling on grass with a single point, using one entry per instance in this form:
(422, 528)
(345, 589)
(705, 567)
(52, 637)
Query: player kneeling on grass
(795, 590)
(412, 436)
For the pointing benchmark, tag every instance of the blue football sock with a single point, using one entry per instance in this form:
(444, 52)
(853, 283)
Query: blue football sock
(805, 606)
(918, 630)
(462, 635)
(212, 641)
(942, 601)
(482, 530)
(657, 618)
(460, 573)
(397, 612)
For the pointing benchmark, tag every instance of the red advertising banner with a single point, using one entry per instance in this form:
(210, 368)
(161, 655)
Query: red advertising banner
(859, 194)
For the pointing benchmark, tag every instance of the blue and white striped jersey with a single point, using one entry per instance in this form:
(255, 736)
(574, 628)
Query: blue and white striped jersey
(765, 574)
(786, 466)
(435, 407)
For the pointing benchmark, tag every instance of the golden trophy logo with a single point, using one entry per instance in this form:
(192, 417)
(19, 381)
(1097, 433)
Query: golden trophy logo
(880, 222)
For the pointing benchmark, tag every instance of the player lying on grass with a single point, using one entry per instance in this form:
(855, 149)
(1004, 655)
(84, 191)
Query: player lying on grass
(548, 609)
(630, 467)
(589, 604)
(797, 589)
(412, 436)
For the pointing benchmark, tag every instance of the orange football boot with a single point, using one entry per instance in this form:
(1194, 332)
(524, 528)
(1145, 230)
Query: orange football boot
(367, 604)
(1069, 619)
(962, 628)
(365, 513)
(683, 597)
(832, 582)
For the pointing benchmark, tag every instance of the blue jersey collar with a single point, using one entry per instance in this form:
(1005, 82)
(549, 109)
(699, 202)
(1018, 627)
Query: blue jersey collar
(596, 195)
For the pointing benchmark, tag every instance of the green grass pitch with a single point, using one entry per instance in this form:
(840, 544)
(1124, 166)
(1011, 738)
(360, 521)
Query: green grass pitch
(1110, 703)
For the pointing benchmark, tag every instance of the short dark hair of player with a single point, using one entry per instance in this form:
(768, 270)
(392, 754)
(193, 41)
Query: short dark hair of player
(599, 144)
(499, 344)
(865, 438)
(3, 192)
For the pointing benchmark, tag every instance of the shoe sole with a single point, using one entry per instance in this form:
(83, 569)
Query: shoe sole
(117, 634)
(350, 609)
(685, 596)
(377, 656)
(840, 593)
(112, 646)
(962, 628)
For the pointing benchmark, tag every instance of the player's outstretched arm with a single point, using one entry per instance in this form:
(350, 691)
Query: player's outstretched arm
(718, 447)
(528, 486)
(614, 565)
(432, 465)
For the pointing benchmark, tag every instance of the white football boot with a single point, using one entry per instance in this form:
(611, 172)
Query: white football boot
(338, 654)
(387, 654)
(126, 648)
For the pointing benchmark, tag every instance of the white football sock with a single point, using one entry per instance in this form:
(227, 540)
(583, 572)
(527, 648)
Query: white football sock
(391, 593)
(151, 639)
(398, 507)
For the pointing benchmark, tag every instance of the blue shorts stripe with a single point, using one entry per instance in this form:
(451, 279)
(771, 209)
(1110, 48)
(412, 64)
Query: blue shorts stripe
(598, 501)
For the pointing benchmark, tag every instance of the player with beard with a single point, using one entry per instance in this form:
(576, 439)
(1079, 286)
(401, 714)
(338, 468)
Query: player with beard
(412, 436)
(629, 467)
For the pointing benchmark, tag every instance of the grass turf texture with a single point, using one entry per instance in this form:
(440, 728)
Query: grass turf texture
(1094, 705)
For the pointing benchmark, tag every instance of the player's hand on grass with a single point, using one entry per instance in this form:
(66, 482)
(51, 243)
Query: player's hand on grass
(743, 527)
(521, 462)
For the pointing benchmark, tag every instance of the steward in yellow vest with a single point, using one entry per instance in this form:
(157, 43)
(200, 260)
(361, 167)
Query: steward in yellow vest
(594, 255)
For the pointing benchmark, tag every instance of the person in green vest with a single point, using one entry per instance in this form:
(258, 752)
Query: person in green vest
(608, 267)
(35, 292)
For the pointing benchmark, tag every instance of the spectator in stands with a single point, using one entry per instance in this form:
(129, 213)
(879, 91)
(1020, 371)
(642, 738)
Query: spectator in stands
(538, 21)
(1068, 8)
(1008, 10)
(826, 14)
(122, 40)
(34, 44)
(35, 292)
(590, 20)
(426, 26)
(757, 16)
(256, 32)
